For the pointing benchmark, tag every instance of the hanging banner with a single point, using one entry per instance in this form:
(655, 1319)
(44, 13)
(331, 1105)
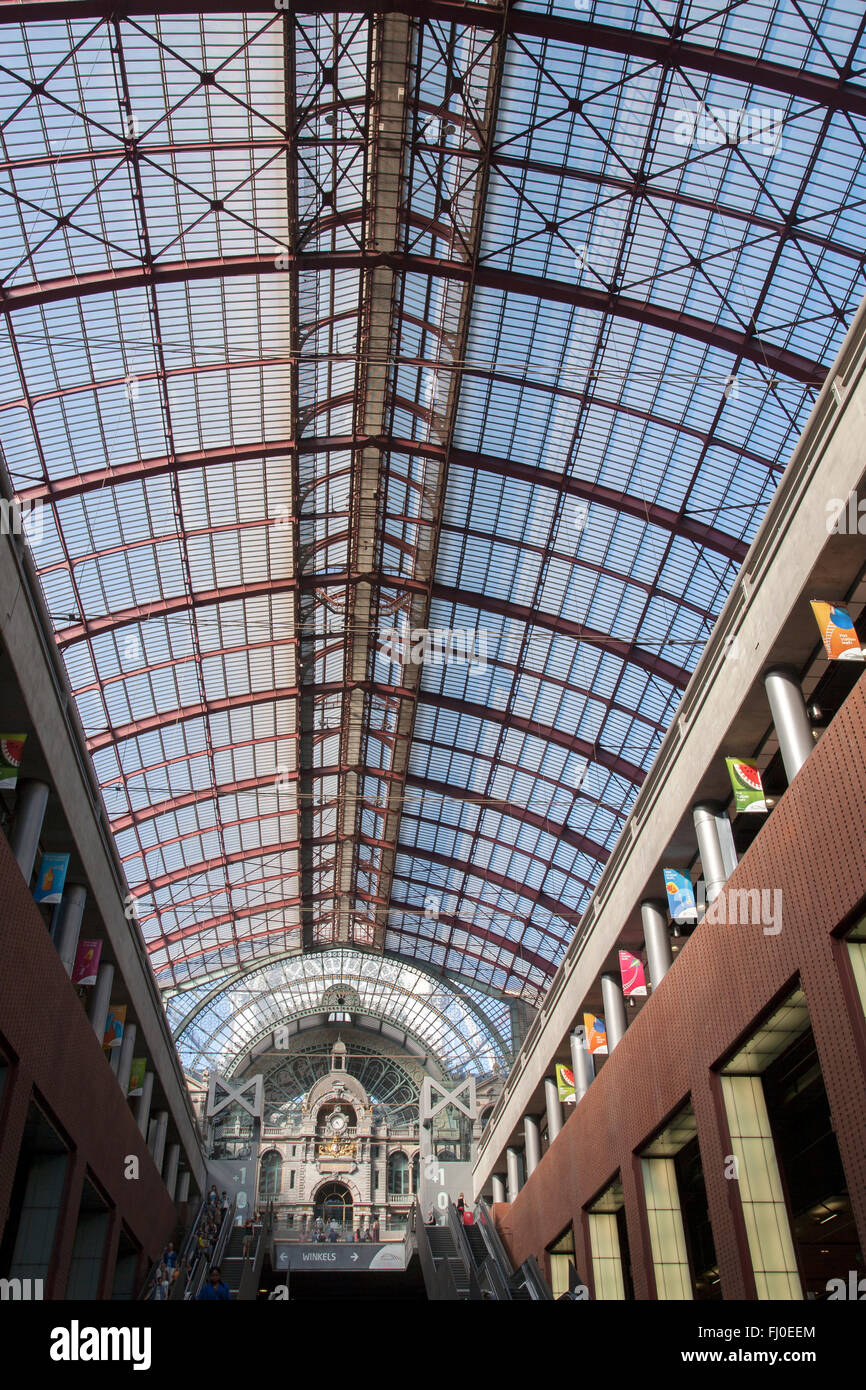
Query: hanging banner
(838, 633)
(52, 877)
(632, 972)
(136, 1076)
(747, 785)
(86, 962)
(565, 1083)
(681, 896)
(114, 1026)
(11, 753)
(596, 1033)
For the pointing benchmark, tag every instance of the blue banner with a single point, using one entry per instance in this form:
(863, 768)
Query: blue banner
(52, 876)
(681, 896)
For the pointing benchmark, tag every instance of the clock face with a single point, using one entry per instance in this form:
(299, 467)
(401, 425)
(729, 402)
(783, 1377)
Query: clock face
(338, 1123)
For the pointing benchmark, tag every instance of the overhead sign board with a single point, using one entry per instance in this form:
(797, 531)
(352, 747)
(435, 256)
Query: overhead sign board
(328, 1259)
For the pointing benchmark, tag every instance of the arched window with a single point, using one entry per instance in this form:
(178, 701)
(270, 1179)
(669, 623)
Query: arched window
(485, 1115)
(415, 1163)
(271, 1174)
(398, 1175)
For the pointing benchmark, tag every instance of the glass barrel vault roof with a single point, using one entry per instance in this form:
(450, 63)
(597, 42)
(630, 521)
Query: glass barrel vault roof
(487, 317)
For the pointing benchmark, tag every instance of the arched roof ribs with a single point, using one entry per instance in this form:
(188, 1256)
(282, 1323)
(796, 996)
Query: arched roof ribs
(739, 343)
(666, 50)
(574, 486)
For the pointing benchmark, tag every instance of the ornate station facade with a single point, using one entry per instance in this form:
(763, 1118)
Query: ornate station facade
(345, 1147)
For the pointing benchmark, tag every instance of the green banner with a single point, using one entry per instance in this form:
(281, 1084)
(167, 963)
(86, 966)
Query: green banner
(565, 1083)
(136, 1076)
(747, 785)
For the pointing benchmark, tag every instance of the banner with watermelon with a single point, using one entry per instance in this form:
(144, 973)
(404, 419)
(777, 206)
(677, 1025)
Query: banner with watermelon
(565, 1083)
(632, 972)
(747, 785)
(11, 753)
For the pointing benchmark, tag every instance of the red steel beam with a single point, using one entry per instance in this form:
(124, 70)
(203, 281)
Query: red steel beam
(177, 716)
(556, 829)
(663, 517)
(510, 885)
(738, 343)
(670, 50)
(574, 744)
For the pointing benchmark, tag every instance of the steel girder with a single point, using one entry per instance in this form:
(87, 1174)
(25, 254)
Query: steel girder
(740, 344)
(671, 49)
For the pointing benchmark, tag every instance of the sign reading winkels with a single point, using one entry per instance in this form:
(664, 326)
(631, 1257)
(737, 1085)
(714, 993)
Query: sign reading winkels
(327, 1259)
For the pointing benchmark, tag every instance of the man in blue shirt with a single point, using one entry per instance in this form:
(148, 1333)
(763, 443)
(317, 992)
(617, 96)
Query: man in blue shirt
(215, 1288)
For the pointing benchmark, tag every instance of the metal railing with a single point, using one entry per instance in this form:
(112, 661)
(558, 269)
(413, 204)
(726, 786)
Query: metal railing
(148, 1291)
(204, 1261)
(437, 1278)
(252, 1266)
(535, 1281)
(464, 1253)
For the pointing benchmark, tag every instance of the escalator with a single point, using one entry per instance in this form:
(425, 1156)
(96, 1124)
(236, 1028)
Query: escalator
(463, 1263)
(233, 1260)
(444, 1250)
(495, 1275)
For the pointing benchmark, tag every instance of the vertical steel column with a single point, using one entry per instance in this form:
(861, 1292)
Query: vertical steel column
(101, 999)
(790, 719)
(142, 1114)
(531, 1143)
(30, 805)
(554, 1108)
(498, 1188)
(512, 1159)
(716, 847)
(182, 1193)
(614, 1010)
(657, 937)
(68, 925)
(581, 1065)
(126, 1050)
(172, 1158)
(156, 1136)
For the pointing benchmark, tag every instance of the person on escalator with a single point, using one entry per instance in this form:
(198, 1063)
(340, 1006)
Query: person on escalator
(215, 1288)
(461, 1206)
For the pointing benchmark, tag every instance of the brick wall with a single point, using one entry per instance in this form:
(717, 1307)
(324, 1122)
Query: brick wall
(55, 1051)
(724, 978)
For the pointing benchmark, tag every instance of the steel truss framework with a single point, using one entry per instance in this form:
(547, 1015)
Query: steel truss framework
(220, 1023)
(321, 322)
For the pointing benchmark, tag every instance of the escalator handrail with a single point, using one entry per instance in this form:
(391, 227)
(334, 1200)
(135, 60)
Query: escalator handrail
(182, 1258)
(535, 1281)
(493, 1241)
(198, 1275)
(461, 1244)
(437, 1278)
(489, 1270)
(252, 1265)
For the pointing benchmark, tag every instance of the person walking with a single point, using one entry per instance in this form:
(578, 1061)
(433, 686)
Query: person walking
(374, 1230)
(215, 1288)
